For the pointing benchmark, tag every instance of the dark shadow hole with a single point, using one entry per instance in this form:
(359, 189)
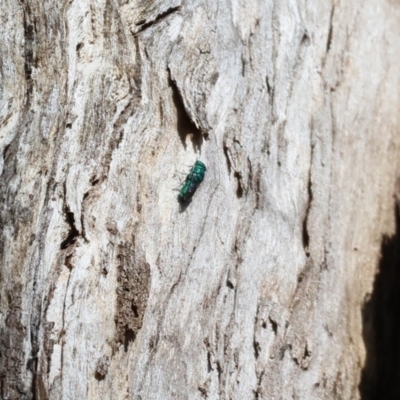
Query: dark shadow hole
(185, 125)
(99, 376)
(129, 337)
(228, 161)
(73, 232)
(305, 40)
(209, 363)
(229, 284)
(135, 310)
(274, 326)
(381, 322)
(239, 190)
(268, 85)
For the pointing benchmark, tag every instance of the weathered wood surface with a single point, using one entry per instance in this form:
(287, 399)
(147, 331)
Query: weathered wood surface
(255, 290)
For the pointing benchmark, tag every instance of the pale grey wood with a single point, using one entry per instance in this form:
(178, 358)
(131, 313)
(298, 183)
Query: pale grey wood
(109, 288)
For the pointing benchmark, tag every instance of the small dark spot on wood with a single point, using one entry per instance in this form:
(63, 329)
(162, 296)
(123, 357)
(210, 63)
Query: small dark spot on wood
(239, 190)
(68, 262)
(68, 126)
(135, 310)
(244, 63)
(257, 349)
(209, 363)
(283, 349)
(94, 181)
(274, 325)
(228, 161)
(214, 78)
(153, 342)
(5, 151)
(305, 40)
(307, 353)
(268, 85)
(102, 368)
(78, 47)
(229, 284)
(129, 337)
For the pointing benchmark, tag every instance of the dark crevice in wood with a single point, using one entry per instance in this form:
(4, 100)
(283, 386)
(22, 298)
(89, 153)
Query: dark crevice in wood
(70, 219)
(381, 321)
(305, 234)
(305, 40)
(29, 62)
(129, 337)
(258, 189)
(220, 372)
(244, 63)
(329, 41)
(239, 190)
(73, 232)
(269, 89)
(144, 25)
(5, 151)
(185, 125)
(257, 349)
(209, 362)
(228, 161)
(135, 310)
(250, 174)
(83, 230)
(95, 180)
(203, 392)
(274, 325)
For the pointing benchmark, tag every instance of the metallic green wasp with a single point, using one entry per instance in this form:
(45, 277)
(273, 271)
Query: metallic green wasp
(192, 182)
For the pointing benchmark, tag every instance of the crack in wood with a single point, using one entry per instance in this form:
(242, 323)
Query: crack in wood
(305, 232)
(73, 233)
(330, 34)
(143, 25)
(185, 123)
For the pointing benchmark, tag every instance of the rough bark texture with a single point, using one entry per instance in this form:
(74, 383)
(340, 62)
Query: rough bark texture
(262, 286)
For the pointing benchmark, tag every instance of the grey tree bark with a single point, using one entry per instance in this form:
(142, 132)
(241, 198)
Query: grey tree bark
(111, 289)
